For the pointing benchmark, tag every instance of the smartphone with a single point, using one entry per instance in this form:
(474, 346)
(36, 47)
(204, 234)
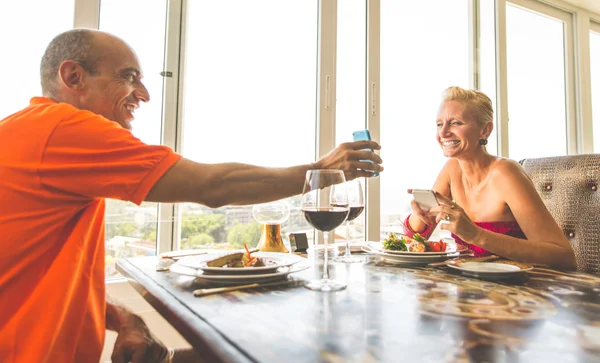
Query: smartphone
(425, 198)
(363, 135)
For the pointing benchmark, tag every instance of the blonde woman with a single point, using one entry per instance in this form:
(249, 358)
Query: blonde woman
(490, 203)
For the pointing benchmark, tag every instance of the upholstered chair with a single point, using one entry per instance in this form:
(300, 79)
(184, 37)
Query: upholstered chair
(569, 187)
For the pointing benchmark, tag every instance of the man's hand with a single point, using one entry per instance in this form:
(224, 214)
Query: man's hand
(348, 156)
(136, 344)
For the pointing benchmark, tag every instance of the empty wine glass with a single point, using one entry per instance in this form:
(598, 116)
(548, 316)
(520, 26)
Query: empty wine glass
(324, 204)
(356, 205)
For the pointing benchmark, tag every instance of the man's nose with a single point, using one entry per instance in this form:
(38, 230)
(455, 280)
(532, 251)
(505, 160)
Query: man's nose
(141, 93)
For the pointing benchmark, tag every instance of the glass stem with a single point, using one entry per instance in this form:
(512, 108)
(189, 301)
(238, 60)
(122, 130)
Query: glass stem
(347, 238)
(325, 256)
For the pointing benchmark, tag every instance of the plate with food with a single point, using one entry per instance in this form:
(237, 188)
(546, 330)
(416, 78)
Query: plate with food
(491, 270)
(202, 276)
(404, 260)
(240, 263)
(400, 244)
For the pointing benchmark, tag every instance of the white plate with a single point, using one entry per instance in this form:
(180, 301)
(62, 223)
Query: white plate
(451, 248)
(282, 272)
(406, 260)
(410, 255)
(490, 270)
(280, 259)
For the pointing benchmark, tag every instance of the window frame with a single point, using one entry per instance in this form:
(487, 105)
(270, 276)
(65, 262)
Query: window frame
(572, 120)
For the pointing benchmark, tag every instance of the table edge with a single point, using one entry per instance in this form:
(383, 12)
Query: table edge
(203, 337)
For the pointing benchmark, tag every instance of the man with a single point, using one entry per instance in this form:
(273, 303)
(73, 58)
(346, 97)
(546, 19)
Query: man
(60, 158)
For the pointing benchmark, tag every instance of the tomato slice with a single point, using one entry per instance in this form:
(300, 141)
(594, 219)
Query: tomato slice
(442, 246)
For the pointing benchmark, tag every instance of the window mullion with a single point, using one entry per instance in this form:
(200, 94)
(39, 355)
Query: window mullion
(373, 190)
(585, 136)
(474, 82)
(501, 79)
(87, 14)
(168, 225)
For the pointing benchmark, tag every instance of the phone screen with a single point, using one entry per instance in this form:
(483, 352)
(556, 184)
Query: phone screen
(363, 135)
(425, 198)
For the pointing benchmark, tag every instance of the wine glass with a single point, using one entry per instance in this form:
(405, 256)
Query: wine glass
(324, 204)
(356, 205)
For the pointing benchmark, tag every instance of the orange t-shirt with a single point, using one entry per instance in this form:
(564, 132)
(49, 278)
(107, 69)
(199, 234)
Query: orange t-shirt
(57, 164)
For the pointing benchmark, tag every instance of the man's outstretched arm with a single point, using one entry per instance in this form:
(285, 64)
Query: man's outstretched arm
(215, 185)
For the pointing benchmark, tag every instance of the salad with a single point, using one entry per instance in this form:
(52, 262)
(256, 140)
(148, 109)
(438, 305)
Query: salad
(417, 243)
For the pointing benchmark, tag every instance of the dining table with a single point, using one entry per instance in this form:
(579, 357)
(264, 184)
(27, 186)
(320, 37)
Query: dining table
(387, 313)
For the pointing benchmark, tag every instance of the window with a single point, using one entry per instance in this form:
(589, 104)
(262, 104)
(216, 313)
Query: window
(421, 55)
(132, 230)
(350, 86)
(595, 81)
(249, 95)
(537, 91)
(487, 64)
(22, 48)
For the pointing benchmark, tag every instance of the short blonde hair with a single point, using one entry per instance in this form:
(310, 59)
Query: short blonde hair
(476, 101)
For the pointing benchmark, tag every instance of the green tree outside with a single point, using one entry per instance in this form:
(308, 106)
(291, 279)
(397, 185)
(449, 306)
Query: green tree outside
(239, 234)
(197, 241)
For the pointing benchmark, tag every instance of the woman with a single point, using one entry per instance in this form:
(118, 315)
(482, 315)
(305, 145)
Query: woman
(511, 219)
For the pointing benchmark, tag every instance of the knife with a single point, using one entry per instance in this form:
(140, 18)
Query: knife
(216, 290)
(180, 253)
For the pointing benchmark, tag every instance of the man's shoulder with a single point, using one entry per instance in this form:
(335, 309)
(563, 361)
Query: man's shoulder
(41, 111)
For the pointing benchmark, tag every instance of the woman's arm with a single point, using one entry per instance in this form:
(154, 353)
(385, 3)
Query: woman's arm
(546, 242)
(419, 221)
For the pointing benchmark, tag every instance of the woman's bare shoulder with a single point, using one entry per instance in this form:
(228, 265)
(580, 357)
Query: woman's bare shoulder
(506, 170)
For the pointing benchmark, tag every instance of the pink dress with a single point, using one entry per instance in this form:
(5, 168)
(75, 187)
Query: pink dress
(509, 228)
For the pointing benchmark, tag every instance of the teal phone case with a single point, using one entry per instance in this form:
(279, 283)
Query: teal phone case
(363, 135)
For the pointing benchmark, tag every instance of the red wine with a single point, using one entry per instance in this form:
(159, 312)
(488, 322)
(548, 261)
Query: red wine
(355, 212)
(325, 219)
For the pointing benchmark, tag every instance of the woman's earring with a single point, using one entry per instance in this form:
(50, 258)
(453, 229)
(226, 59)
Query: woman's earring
(482, 141)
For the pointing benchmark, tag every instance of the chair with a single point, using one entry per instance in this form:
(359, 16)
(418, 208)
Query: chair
(569, 186)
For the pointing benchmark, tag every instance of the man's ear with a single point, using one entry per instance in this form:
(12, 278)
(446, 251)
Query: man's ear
(71, 75)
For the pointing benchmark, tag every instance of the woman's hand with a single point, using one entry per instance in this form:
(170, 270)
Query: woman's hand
(421, 213)
(456, 219)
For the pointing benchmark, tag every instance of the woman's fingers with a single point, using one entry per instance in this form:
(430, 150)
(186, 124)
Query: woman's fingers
(420, 212)
(444, 213)
(443, 199)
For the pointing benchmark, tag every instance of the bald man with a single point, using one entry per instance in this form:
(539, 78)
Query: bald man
(60, 158)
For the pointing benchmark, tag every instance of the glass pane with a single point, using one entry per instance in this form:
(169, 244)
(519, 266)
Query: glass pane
(131, 230)
(21, 70)
(250, 96)
(487, 63)
(350, 86)
(420, 58)
(536, 84)
(595, 81)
